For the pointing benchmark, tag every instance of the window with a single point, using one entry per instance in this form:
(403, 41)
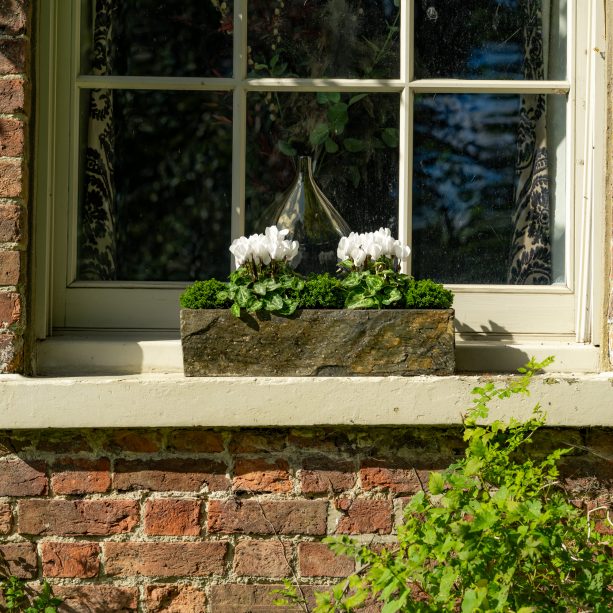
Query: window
(169, 128)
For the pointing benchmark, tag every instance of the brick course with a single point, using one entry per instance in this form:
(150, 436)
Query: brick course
(103, 524)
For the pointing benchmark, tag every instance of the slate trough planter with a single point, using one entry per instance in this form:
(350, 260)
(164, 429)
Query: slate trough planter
(316, 343)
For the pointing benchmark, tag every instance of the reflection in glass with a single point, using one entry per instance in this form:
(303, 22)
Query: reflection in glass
(484, 187)
(490, 39)
(324, 38)
(353, 140)
(156, 196)
(157, 38)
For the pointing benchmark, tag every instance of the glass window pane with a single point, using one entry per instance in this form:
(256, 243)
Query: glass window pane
(191, 38)
(324, 38)
(352, 139)
(155, 199)
(487, 174)
(490, 39)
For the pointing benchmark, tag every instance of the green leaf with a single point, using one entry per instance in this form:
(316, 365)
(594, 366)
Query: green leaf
(319, 134)
(354, 145)
(362, 303)
(286, 149)
(373, 282)
(391, 137)
(275, 303)
(356, 98)
(260, 288)
(331, 146)
(436, 483)
(338, 117)
(243, 296)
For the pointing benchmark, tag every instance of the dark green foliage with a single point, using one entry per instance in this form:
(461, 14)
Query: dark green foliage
(322, 292)
(284, 291)
(496, 531)
(426, 294)
(205, 295)
(18, 597)
(258, 288)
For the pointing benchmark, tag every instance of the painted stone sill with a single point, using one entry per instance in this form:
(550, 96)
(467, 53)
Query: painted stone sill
(317, 342)
(225, 402)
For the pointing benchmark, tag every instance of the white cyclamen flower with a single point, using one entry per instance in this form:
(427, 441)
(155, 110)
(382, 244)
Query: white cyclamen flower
(263, 248)
(357, 247)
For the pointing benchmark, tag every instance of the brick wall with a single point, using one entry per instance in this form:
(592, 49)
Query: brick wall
(15, 27)
(205, 520)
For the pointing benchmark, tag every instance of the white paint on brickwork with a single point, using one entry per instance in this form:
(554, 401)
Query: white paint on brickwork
(173, 400)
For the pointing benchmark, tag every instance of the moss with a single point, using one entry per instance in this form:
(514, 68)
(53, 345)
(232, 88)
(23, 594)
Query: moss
(210, 294)
(426, 294)
(322, 292)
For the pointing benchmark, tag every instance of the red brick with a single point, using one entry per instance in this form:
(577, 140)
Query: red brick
(307, 517)
(242, 598)
(256, 441)
(13, 15)
(12, 55)
(10, 179)
(171, 474)
(165, 559)
(70, 559)
(6, 518)
(21, 478)
(375, 474)
(12, 99)
(10, 223)
(11, 353)
(77, 517)
(322, 474)
(175, 599)
(19, 559)
(364, 516)
(320, 440)
(317, 560)
(59, 441)
(81, 476)
(262, 558)
(11, 137)
(138, 441)
(10, 308)
(97, 598)
(202, 441)
(172, 517)
(10, 267)
(262, 475)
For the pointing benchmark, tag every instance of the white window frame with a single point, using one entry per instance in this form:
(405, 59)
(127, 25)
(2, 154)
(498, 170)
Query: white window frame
(490, 316)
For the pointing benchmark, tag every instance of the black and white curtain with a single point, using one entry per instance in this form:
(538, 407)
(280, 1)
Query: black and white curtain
(530, 256)
(97, 227)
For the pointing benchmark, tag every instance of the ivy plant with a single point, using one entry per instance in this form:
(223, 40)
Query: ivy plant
(16, 597)
(496, 531)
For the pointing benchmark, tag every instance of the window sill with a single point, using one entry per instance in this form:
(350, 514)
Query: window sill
(171, 400)
(130, 353)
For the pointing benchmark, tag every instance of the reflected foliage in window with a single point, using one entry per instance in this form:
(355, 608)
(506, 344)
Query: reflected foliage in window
(486, 39)
(465, 150)
(324, 38)
(353, 140)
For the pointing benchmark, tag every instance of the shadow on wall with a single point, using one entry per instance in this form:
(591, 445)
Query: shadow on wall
(501, 351)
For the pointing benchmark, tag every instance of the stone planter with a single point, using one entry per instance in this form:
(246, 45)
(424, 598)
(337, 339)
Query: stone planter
(316, 343)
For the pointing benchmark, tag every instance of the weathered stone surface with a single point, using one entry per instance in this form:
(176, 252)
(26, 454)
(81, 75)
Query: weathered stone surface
(319, 343)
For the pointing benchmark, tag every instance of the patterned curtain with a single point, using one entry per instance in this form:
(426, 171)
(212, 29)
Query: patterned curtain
(97, 240)
(530, 256)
